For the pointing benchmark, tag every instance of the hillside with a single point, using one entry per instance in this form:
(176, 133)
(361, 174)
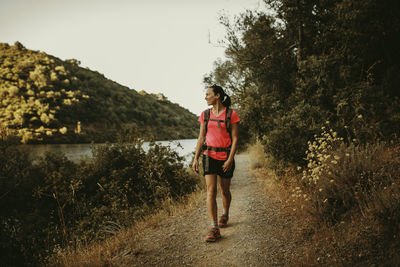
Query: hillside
(47, 100)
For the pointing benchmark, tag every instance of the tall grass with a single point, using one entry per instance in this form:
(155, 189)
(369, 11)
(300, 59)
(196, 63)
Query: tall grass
(347, 199)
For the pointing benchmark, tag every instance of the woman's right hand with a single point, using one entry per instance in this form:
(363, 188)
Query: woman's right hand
(195, 165)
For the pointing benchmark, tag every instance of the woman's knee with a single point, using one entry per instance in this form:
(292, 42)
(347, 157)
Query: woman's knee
(212, 191)
(225, 187)
(226, 192)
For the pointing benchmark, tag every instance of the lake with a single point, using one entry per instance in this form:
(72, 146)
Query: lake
(78, 152)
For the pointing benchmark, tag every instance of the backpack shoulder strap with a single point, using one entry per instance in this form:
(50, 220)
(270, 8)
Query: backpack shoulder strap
(228, 115)
(206, 119)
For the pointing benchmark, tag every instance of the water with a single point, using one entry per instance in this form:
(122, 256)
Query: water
(78, 152)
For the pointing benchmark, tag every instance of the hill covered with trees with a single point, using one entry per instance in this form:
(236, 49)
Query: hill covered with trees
(44, 99)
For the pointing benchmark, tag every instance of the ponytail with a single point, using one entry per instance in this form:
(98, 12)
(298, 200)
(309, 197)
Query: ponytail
(225, 99)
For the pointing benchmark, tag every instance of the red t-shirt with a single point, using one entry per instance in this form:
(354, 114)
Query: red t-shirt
(216, 137)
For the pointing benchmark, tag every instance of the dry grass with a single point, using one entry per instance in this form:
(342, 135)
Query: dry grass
(354, 219)
(124, 242)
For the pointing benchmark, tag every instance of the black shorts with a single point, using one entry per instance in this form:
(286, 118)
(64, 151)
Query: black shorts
(215, 167)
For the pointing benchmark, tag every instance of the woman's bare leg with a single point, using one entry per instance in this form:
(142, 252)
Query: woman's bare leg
(224, 184)
(211, 182)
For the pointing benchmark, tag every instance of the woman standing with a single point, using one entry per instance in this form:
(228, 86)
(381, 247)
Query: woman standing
(218, 139)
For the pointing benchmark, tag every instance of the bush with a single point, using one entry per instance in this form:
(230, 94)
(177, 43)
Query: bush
(55, 202)
(341, 177)
(348, 200)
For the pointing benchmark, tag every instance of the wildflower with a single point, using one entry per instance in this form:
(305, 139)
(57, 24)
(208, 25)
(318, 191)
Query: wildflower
(320, 190)
(67, 102)
(334, 161)
(298, 168)
(331, 181)
(347, 155)
(63, 130)
(354, 140)
(360, 116)
(327, 122)
(346, 126)
(337, 157)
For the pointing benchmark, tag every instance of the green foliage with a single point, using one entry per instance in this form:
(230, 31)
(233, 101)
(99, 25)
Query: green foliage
(43, 98)
(54, 203)
(309, 62)
(320, 65)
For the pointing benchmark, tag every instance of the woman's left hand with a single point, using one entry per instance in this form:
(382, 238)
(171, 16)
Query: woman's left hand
(227, 165)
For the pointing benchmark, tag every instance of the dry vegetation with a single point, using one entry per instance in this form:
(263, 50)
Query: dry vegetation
(346, 202)
(124, 242)
(54, 205)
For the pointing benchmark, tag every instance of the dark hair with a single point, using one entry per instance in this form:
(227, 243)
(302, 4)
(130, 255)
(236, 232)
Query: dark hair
(225, 99)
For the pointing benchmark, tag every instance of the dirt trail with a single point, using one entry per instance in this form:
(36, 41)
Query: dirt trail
(257, 234)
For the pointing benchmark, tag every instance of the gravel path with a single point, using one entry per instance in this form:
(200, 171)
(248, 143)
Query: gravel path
(257, 234)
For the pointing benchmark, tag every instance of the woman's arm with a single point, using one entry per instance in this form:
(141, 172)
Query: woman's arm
(235, 136)
(200, 141)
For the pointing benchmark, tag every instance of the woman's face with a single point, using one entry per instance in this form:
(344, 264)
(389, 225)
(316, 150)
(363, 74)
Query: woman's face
(211, 98)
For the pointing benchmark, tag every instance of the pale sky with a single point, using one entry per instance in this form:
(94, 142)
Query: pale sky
(154, 45)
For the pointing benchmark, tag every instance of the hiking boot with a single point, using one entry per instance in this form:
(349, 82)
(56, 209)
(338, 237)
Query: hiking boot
(213, 235)
(223, 220)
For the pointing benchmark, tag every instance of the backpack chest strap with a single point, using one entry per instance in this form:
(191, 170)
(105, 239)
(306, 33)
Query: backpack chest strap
(218, 121)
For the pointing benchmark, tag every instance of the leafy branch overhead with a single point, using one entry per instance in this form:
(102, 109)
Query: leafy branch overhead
(305, 62)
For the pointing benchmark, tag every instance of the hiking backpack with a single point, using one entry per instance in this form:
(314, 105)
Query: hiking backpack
(227, 121)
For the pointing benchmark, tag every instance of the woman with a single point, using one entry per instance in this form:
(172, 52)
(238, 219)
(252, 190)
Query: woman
(218, 139)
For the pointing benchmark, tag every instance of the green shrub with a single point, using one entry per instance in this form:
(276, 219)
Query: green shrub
(55, 202)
